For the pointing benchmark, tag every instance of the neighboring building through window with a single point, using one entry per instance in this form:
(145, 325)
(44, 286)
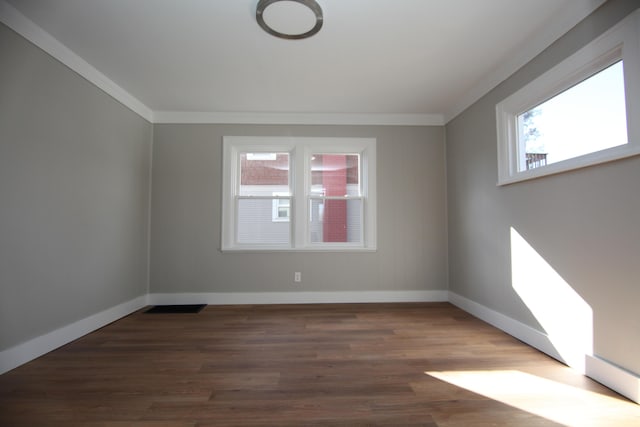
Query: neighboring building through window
(335, 198)
(578, 113)
(264, 182)
(299, 194)
(281, 209)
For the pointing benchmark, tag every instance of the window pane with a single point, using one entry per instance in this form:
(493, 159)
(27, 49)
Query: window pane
(589, 117)
(264, 174)
(336, 221)
(335, 175)
(281, 209)
(256, 224)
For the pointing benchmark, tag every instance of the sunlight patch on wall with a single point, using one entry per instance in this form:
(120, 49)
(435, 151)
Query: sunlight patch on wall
(552, 400)
(567, 319)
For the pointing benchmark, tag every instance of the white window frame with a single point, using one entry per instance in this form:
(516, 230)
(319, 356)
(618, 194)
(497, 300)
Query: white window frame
(300, 150)
(621, 42)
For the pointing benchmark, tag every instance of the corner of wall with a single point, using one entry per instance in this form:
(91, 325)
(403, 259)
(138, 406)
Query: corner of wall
(149, 218)
(22, 353)
(608, 374)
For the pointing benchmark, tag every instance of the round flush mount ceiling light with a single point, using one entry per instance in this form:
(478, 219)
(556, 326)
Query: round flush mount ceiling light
(289, 19)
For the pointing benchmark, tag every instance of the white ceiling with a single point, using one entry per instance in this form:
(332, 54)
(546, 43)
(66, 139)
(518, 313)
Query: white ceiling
(393, 57)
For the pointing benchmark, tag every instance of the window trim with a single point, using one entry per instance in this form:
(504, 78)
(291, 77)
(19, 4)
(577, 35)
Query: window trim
(621, 42)
(300, 150)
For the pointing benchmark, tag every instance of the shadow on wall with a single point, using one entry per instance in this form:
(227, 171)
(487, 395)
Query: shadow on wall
(564, 315)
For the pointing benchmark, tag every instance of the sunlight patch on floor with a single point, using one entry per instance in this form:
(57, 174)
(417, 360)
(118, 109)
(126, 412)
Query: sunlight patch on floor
(554, 401)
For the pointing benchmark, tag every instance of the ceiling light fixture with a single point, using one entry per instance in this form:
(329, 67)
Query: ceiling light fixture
(290, 19)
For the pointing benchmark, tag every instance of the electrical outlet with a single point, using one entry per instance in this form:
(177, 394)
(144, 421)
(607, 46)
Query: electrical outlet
(297, 277)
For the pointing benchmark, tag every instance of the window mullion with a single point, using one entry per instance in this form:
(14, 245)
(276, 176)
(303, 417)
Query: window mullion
(299, 209)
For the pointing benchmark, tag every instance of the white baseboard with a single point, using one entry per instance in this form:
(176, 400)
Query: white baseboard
(22, 353)
(614, 377)
(36, 347)
(624, 382)
(222, 298)
(525, 333)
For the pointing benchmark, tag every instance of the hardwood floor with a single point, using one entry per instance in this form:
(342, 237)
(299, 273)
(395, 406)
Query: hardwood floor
(427, 364)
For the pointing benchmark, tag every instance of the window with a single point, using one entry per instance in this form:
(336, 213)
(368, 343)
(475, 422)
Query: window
(596, 110)
(335, 198)
(577, 114)
(299, 193)
(264, 180)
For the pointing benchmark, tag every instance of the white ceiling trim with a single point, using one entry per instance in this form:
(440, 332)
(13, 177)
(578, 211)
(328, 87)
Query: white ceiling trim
(36, 35)
(562, 22)
(299, 118)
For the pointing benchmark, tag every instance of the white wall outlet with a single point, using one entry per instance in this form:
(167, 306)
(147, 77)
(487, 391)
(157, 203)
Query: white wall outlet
(297, 277)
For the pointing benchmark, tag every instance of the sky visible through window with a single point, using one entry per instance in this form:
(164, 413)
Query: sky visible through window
(586, 118)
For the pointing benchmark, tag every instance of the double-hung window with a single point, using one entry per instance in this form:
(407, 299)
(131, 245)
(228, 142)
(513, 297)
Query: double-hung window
(581, 112)
(299, 193)
(263, 183)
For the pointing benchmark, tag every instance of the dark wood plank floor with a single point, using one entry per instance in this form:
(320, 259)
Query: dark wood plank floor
(299, 365)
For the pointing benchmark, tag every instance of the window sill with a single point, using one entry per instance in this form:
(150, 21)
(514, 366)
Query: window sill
(592, 159)
(312, 249)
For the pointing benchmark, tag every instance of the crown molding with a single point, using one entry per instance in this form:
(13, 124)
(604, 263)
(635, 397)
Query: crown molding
(36, 35)
(555, 28)
(22, 25)
(298, 118)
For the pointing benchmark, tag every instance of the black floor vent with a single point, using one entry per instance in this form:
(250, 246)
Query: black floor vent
(186, 308)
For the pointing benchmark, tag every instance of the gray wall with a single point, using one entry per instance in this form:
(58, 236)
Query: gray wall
(74, 191)
(74, 195)
(186, 209)
(584, 223)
